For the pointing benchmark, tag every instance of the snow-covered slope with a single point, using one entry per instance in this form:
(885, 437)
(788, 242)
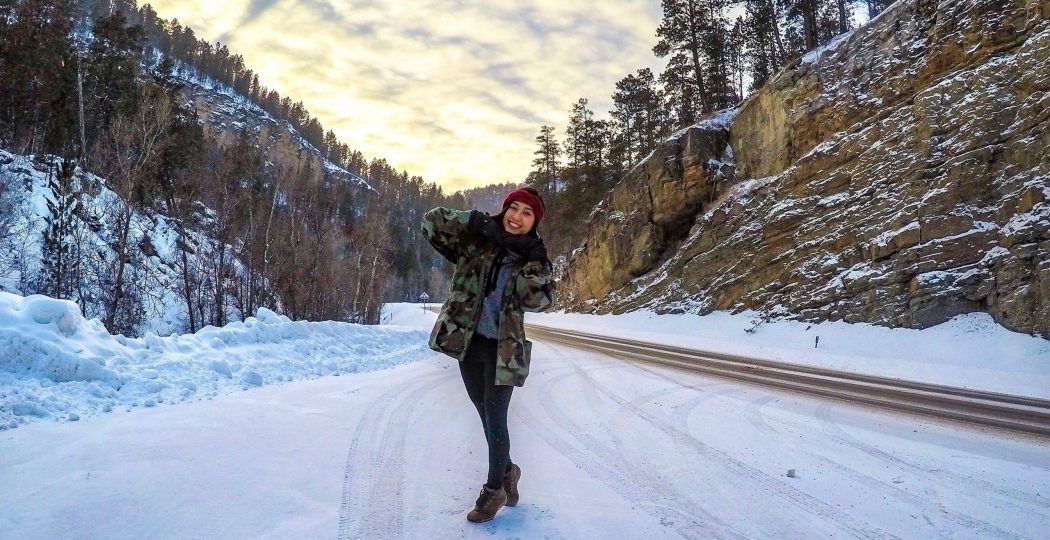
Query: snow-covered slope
(155, 275)
(969, 351)
(55, 364)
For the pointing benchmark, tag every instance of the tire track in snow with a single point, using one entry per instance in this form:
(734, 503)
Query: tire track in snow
(1038, 500)
(832, 429)
(606, 465)
(387, 494)
(784, 526)
(922, 504)
(745, 471)
(960, 519)
(377, 448)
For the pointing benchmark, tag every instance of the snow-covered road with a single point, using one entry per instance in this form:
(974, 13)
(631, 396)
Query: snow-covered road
(608, 449)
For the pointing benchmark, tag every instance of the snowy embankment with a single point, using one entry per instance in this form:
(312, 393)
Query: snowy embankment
(56, 364)
(969, 351)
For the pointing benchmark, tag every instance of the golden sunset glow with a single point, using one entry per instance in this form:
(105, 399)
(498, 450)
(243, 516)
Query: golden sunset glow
(453, 91)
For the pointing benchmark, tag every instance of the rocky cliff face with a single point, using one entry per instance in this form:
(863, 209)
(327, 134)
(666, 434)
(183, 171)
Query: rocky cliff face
(900, 176)
(224, 115)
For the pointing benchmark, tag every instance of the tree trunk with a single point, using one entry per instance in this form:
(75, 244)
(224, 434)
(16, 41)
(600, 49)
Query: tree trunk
(220, 279)
(809, 23)
(371, 285)
(357, 287)
(122, 262)
(694, 49)
(186, 285)
(775, 20)
(80, 107)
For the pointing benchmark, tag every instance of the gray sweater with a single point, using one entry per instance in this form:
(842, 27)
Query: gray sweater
(488, 324)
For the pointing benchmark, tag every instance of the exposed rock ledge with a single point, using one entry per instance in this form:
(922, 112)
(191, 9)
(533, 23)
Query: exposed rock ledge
(900, 177)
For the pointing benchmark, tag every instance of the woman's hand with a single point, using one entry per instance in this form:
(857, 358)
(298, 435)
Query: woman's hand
(484, 226)
(531, 248)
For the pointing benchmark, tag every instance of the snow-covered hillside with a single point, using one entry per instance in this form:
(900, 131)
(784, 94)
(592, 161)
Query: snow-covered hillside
(969, 351)
(155, 276)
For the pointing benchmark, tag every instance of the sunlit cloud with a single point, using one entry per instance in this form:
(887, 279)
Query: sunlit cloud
(452, 90)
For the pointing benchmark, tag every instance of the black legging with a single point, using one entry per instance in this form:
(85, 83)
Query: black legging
(491, 400)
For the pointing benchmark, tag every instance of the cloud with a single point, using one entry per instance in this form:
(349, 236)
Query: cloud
(255, 9)
(452, 90)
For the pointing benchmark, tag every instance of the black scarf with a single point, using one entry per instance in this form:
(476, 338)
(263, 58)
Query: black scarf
(497, 263)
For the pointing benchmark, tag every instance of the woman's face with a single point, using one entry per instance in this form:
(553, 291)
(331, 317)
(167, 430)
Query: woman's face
(518, 218)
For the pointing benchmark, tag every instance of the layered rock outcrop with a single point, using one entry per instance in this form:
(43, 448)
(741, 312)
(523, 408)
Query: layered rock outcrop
(225, 116)
(898, 176)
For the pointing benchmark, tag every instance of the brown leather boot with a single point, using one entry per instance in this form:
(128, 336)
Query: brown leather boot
(510, 484)
(490, 501)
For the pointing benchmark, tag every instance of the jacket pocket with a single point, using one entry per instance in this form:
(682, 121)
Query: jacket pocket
(526, 358)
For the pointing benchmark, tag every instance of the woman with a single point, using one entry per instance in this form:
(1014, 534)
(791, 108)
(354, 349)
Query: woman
(502, 270)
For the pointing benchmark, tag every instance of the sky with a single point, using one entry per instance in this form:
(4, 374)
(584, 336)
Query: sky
(454, 91)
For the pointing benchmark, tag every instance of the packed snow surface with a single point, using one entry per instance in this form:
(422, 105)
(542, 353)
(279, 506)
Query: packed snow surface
(608, 448)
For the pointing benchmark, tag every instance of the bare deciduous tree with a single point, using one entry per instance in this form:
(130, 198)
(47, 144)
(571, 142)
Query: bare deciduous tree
(127, 155)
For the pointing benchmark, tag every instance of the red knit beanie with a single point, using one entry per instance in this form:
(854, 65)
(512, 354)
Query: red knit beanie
(528, 197)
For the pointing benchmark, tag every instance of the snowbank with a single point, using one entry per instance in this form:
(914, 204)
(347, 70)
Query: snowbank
(55, 364)
(969, 351)
(410, 314)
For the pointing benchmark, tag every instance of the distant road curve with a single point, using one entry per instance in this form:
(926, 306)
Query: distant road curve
(1004, 411)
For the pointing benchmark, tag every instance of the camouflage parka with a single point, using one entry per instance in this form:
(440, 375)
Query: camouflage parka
(532, 289)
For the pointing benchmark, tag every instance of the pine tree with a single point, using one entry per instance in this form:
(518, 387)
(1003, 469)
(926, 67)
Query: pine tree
(585, 142)
(844, 18)
(545, 167)
(112, 70)
(255, 91)
(876, 6)
(636, 115)
(181, 161)
(60, 255)
(697, 80)
(653, 119)
(37, 76)
(735, 56)
(762, 36)
(680, 33)
(544, 177)
(812, 23)
(129, 155)
(716, 44)
(679, 95)
(588, 174)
